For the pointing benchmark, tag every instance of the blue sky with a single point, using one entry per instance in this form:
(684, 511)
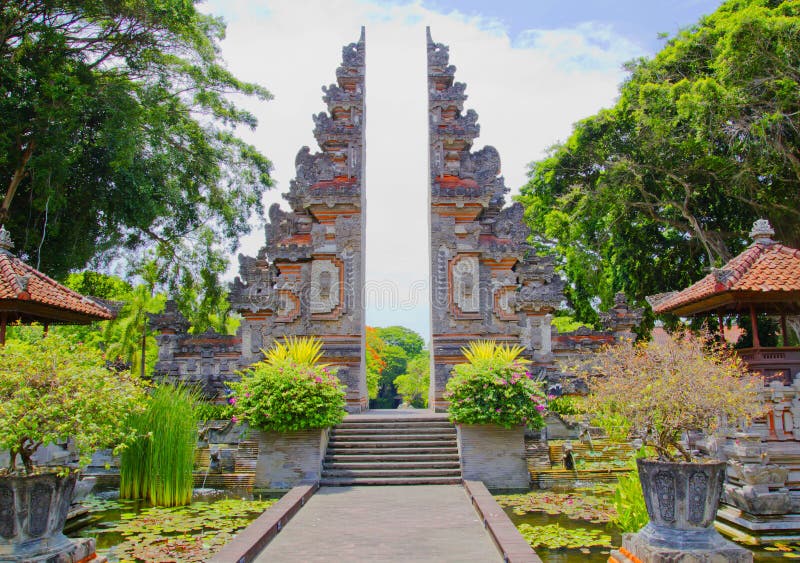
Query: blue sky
(532, 69)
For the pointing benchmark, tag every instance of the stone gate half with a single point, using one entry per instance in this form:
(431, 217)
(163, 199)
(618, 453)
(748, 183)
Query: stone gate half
(487, 283)
(308, 279)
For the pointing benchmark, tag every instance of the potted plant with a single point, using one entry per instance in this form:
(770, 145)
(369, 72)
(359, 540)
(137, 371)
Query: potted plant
(292, 400)
(52, 390)
(661, 392)
(493, 397)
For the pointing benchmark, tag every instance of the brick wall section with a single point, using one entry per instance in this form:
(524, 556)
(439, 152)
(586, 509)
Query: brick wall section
(494, 455)
(285, 459)
(506, 537)
(251, 541)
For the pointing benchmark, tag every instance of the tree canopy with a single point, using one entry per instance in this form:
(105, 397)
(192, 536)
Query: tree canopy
(117, 132)
(646, 196)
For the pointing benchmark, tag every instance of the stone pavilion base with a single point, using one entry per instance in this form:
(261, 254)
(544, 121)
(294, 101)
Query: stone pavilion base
(494, 455)
(637, 549)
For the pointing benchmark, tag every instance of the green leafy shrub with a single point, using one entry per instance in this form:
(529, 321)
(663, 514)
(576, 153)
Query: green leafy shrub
(158, 464)
(495, 388)
(565, 405)
(213, 411)
(52, 389)
(413, 385)
(281, 394)
(629, 503)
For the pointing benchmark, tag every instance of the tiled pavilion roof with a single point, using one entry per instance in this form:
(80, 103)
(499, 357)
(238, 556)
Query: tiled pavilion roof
(28, 295)
(766, 274)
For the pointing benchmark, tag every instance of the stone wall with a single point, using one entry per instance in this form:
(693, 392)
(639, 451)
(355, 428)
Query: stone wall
(494, 455)
(286, 459)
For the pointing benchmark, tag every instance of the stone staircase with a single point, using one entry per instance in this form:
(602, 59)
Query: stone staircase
(392, 450)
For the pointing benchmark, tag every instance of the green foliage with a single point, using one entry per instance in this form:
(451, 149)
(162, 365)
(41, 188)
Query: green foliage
(553, 536)
(414, 384)
(565, 405)
(187, 533)
(645, 197)
(303, 350)
(284, 395)
(52, 389)
(567, 324)
(403, 337)
(118, 132)
(631, 512)
(213, 411)
(158, 464)
(488, 350)
(492, 390)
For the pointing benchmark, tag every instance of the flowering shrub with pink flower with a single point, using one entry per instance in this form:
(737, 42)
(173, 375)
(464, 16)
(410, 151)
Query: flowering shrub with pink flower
(495, 388)
(284, 395)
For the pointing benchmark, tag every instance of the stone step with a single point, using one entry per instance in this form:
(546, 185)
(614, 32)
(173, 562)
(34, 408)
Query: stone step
(400, 430)
(384, 464)
(334, 438)
(393, 425)
(350, 481)
(386, 455)
(404, 419)
(369, 449)
(395, 473)
(393, 444)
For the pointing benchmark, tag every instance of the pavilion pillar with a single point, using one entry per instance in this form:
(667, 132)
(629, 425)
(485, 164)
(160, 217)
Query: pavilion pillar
(754, 327)
(3, 323)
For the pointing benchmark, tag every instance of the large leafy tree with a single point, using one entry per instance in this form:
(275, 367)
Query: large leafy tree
(648, 195)
(117, 132)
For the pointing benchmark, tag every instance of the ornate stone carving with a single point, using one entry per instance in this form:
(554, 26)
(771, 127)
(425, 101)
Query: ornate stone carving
(325, 286)
(698, 490)
(665, 490)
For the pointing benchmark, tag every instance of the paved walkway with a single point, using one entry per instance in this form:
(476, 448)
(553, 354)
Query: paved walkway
(399, 523)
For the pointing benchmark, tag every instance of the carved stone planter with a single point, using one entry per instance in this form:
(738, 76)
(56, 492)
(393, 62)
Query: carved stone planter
(682, 501)
(286, 459)
(494, 455)
(33, 510)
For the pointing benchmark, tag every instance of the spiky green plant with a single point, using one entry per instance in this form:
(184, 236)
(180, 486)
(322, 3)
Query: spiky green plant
(158, 465)
(301, 350)
(488, 350)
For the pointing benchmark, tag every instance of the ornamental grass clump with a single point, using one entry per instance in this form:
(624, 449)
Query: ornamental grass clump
(158, 464)
(289, 390)
(494, 387)
(53, 390)
(661, 390)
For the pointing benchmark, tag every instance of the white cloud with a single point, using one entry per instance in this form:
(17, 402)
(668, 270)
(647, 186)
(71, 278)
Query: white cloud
(527, 95)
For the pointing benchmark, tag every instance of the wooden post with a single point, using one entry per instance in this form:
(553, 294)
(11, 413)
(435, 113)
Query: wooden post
(754, 327)
(721, 326)
(3, 323)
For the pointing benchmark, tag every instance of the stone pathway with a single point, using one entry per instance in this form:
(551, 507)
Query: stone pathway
(434, 523)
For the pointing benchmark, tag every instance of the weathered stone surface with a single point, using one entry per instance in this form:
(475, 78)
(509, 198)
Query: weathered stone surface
(635, 545)
(759, 500)
(494, 455)
(757, 474)
(285, 459)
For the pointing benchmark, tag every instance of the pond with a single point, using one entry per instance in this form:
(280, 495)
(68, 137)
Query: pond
(574, 524)
(132, 530)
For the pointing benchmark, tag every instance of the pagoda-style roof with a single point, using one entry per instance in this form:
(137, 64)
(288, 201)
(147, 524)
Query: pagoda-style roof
(766, 275)
(27, 295)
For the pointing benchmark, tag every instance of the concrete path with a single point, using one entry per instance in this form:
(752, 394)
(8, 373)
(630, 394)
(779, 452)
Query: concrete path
(419, 523)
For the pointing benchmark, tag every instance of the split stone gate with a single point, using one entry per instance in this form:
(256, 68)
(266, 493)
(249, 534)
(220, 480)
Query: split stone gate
(308, 279)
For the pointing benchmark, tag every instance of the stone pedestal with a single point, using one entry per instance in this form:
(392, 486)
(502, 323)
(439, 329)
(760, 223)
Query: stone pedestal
(494, 455)
(682, 501)
(285, 459)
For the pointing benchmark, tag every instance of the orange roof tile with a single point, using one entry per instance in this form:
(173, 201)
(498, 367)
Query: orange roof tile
(764, 267)
(28, 294)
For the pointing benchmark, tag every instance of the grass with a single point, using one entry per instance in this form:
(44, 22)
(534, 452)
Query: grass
(158, 465)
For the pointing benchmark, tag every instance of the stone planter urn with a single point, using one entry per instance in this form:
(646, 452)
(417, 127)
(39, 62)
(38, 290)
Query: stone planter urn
(494, 455)
(682, 501)
(33, 510)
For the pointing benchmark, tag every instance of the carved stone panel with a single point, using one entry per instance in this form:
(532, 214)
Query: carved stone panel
(326, 286)
(465, 284)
